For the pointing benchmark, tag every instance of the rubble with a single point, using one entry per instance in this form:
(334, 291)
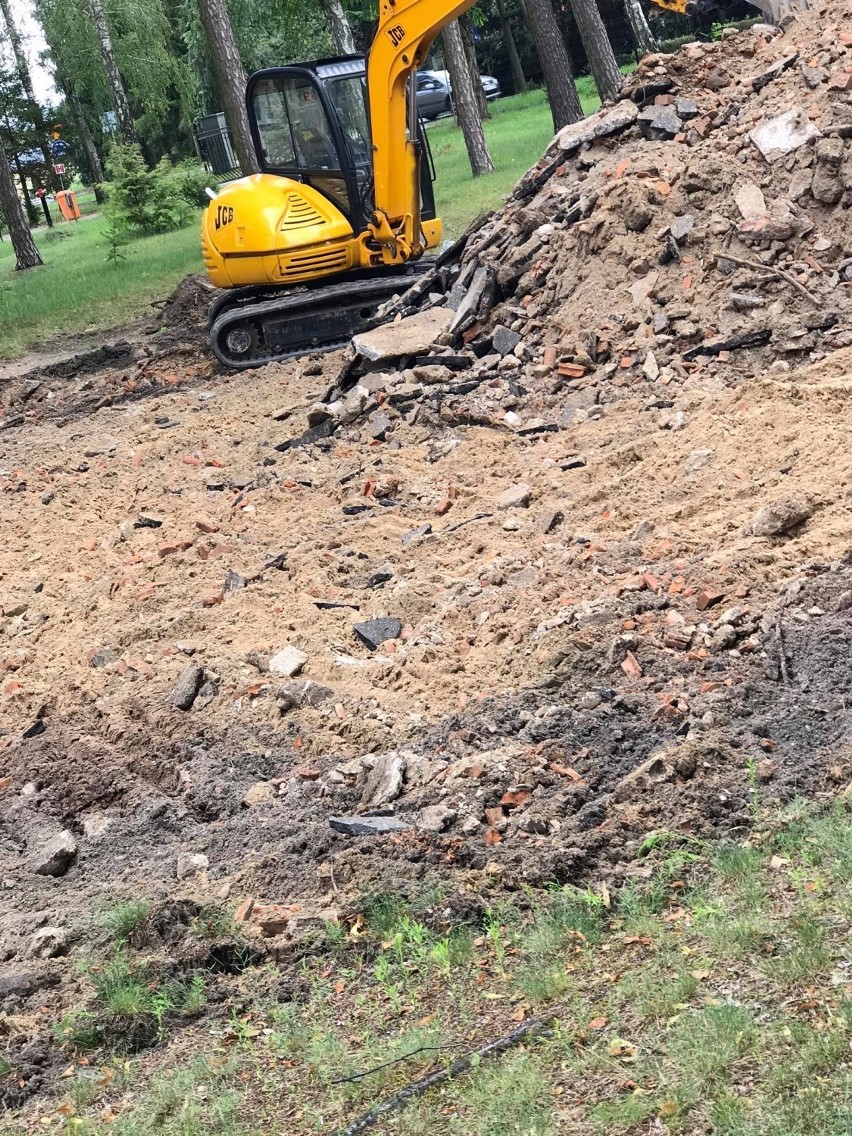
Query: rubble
(57, 856)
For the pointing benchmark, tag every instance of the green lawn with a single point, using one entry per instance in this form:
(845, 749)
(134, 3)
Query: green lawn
(78, 290)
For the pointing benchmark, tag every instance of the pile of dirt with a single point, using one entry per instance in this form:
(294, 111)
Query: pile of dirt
(696, 231)
(184, 312)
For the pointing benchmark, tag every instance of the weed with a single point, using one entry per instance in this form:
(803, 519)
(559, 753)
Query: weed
(512, 1097)
(121, 919)
(705, 1043)
(544, 983)
(213, 923)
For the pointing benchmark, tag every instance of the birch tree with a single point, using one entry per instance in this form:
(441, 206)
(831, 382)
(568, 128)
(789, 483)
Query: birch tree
(26, 253)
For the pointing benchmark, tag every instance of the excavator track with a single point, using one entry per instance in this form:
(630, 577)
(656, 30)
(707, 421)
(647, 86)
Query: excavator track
(255, 326)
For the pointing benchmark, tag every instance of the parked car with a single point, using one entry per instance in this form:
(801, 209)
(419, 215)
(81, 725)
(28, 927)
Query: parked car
(435, 92)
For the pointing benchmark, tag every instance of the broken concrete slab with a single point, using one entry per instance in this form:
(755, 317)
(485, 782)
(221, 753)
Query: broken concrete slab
(367, 826)
(413, 335)
(775, 137)
(597, 125)
(659, 123)
(384, 781)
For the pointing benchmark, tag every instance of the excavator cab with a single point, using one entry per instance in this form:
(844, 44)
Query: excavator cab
(311, 123)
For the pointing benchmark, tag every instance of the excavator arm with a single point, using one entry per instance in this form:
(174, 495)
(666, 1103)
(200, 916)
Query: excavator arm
(405, 32)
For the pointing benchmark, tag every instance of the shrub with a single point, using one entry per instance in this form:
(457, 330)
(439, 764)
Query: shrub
(157, 200)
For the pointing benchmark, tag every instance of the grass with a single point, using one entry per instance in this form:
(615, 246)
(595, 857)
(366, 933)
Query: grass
(78, 291)
(708, 996)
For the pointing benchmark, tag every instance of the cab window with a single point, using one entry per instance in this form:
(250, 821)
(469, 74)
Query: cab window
(292, 124)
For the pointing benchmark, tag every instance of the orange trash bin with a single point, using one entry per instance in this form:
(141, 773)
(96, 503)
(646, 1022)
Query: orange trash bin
(68, 207)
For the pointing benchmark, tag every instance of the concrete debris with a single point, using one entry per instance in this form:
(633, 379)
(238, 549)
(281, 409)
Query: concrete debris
(191, 864)
(57, 856)
(367, 825)
(288, 662)
(781, 516)
(187, 687)
(776, 137)
(411, 336)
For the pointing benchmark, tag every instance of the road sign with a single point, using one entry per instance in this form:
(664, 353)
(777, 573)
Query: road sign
(58, 148)
(59, 169)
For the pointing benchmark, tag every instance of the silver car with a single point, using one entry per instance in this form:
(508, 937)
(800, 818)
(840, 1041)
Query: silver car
(435, 92)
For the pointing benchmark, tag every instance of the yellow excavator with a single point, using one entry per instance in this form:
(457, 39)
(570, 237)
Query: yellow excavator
(773, 10)
(343, 208)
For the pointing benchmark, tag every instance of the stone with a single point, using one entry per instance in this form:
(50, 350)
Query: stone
(288, 662)
(697, 459)
(638, 217)
(681, 227)
(470, 825)
(516, 497)
(651, 368)
(304, 693)
(102, 657)
(47, 943)
(659, 123)
(411, 336)
(686, 108)
(435, 818)
(504, 340)
(432, 373)
(206, 694)
(191, 864)
(723, 637)
(187, 687)
(259, 794)
(643, 289)
(56, 857)
(814, 76)
(598, 125)
(384, 781)
(367, 826)
(781, 516)
(416, 534)
(783, 134)
(750, 201)
(374, 632)
(548, 521)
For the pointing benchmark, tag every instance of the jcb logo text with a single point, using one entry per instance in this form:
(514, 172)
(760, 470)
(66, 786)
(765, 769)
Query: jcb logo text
(224, 215)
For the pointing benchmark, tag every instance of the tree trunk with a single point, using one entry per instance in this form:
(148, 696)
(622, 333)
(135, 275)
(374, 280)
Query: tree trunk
(23, 69)
(81, 126)
(599, 51)
(519, 79)
(116, 84)
(469, 41)
(467, 108)
(646, 41)
(230, 77)
(341, 29)
(555, 63)
(26, 253)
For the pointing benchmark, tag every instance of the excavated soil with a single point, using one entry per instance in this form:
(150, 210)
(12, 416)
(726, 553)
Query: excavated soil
(623, 589)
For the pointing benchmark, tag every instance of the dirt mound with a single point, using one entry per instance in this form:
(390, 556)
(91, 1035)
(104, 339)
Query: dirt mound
(697, 231)
(184, 312)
